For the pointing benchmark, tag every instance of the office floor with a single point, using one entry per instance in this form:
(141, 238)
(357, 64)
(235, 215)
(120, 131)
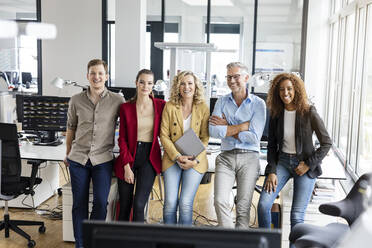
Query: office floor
(204, 214)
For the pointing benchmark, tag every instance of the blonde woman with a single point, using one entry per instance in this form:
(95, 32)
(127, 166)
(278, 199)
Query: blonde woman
(185, 109)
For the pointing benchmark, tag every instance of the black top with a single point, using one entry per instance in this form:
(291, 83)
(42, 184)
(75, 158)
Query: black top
(304, 127)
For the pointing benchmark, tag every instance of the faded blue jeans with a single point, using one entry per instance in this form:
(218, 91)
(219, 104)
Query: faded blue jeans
(302, 190)
(189, 180)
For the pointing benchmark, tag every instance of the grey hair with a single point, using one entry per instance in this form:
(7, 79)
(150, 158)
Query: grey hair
(243, 67)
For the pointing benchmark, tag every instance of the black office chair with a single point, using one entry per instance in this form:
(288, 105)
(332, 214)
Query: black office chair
(306, 235)
(12, 184)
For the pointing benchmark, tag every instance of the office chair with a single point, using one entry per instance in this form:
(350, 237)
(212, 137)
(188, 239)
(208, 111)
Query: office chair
(306, 235)
(12, 184)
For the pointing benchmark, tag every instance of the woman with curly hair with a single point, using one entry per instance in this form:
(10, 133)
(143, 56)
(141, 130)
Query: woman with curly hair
(186, 109)
(291, 153)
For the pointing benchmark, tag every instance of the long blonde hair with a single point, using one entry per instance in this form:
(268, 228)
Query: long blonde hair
(175, 96)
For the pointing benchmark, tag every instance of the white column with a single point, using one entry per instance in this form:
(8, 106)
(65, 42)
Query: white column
(79, 39)
(130, 32)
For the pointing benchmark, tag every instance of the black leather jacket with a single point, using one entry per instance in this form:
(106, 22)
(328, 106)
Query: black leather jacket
(304, 127)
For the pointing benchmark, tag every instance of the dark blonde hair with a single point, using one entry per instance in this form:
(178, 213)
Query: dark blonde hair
(175, 96)
(94, 62)
(143, 71)
(276, 105)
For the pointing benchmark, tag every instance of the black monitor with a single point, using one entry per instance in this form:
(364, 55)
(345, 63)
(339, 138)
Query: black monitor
(128, 92)
(99, 234)
(265, 134)
(26, 77)
(43, 113)
(212, 102)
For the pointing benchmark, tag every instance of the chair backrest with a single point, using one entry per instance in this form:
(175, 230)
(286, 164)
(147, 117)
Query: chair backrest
(354, 203)
(10, 165)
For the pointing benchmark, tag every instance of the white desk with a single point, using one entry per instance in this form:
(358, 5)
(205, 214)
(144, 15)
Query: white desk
(331, 166)
(48, 171)
(49, 153)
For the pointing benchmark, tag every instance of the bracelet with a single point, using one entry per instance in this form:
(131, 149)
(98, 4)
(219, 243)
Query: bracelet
(178, 155)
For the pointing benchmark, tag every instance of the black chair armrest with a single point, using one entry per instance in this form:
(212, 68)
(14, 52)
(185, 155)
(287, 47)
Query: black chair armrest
(35, 166)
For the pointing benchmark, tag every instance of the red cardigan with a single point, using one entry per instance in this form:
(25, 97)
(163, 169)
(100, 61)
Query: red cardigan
(128, 137)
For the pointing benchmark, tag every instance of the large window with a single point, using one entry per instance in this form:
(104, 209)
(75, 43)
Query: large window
(230, 26)
(20, 57)
(349, 104)
(365, 141)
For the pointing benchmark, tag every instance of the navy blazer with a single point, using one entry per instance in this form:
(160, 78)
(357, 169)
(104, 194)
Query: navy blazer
(305, 125)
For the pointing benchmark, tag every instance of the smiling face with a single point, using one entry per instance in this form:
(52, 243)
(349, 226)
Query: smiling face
(237, 80)
(144, 84)
(187, 87)
(287, 94)
(97, 77)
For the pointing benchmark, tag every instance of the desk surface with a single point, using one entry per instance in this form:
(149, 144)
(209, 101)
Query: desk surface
(50, 153)
(331, 166)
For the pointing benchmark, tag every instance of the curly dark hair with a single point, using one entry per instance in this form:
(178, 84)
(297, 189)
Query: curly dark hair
(275, 104)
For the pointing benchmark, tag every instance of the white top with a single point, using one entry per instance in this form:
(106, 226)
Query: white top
(187, 123)
(289, 143)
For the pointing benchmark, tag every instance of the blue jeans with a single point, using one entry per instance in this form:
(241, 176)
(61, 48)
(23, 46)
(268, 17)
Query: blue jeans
(302, 189)
(172, 181)
(80, 182)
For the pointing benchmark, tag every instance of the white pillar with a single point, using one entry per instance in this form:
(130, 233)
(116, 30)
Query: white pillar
(130, 32)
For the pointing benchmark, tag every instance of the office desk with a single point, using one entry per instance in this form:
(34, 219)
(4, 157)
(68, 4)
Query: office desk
(48, 153)
(48, 171)
(331, 166)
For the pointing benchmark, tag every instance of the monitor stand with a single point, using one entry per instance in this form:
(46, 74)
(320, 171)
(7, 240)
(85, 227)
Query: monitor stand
(50, 139)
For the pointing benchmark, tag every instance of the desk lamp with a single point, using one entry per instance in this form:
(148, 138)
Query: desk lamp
(60, 83)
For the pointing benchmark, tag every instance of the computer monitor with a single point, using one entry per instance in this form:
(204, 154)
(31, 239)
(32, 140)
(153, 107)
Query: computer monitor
(128, 92)
(43, 113)
(212, 102)
(26, 77)
(265, 134)
(99, 234)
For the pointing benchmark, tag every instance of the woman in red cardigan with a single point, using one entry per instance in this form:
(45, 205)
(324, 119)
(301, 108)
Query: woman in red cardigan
(140, 158)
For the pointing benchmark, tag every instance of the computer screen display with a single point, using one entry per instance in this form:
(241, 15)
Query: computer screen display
(42, 113)
(26, 77)
(137, 235)
(265, 134)
(212, 102)
(126, 91)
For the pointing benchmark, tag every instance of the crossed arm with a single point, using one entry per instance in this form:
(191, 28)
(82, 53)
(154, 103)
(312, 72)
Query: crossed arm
(232, 130)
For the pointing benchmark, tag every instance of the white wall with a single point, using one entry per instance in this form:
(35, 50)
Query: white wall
(79, 39)
(317, 53)
(130, 33)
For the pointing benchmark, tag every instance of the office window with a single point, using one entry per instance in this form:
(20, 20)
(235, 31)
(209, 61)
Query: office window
(365, 140)
(18, 10)
(332, 76)
(356, 93)
(20, 57)
(349, 115)
(346, 83)
(227, 37)
(279, 29)
(171, 34)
